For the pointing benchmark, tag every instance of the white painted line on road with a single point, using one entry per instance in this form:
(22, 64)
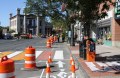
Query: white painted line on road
(91, 66)
(116, 63)
(14, 54)
(58, 54)
(112, 63)
(101, 64)
(42, 73)
(38, 53)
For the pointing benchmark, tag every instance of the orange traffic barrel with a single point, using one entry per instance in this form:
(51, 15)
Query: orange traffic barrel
(30, 58)
(7, 68)
(48, 43)
(52, 39)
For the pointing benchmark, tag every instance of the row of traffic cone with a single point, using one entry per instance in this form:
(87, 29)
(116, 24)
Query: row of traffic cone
(30, 62)
(48, 70)
(72, 68)
(50, 41)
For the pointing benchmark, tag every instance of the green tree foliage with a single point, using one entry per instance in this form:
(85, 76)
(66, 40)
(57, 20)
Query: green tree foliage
(70, 12)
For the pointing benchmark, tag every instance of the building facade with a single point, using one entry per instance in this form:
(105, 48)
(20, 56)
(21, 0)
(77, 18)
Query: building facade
(29, 23)
(107, 28)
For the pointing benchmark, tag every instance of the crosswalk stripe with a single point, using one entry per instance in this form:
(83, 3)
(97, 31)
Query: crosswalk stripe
(4, 54)
(22, 55)
(112, 63)
(14, 54)
(58, 55)
(38, 53)
(101, 64)
(92, 66)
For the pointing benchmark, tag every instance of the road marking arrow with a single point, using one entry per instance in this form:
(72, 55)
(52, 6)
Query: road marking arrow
(62, 75)
(53, 77)
(70, 76)
(60, 64)
(62, 69)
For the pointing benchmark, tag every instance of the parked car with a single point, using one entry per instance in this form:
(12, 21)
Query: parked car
(7, 36)
(24, 36)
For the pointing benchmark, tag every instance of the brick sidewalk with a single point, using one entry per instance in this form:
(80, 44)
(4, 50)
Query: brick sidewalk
(107, 64)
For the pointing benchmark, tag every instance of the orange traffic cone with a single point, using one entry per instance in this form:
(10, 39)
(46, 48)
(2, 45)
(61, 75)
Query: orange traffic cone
(49, 59)
(48, 70)
(73, 69)
(71, 59)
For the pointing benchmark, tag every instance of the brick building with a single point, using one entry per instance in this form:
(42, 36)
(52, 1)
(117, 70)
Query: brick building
(109, 27)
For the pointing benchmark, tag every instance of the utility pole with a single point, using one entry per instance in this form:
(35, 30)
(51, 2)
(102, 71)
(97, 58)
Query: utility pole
(72, 35)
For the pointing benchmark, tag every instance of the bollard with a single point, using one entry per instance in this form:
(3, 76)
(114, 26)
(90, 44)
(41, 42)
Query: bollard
(7, 68)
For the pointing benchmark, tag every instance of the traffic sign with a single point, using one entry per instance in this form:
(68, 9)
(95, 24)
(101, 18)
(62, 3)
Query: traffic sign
(117, 9)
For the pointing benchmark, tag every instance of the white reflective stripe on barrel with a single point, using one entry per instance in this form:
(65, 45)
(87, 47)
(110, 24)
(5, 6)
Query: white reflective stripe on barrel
(29, 55)
(7, 75)
(29, 62)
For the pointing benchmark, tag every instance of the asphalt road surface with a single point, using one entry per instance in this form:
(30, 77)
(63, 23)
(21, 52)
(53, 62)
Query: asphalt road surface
(60, 68)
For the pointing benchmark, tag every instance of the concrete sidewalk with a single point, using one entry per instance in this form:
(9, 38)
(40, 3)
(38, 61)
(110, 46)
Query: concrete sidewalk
(107, 64)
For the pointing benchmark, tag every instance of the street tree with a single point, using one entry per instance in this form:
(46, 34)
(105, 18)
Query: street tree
(90, 10)
(66, 12)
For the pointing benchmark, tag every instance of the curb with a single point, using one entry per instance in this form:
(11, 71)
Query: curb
(82, 71)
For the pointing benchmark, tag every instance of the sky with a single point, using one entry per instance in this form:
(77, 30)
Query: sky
(7, 7)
